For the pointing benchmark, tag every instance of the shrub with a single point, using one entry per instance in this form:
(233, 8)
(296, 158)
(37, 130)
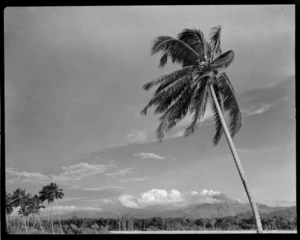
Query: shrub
(95, 226)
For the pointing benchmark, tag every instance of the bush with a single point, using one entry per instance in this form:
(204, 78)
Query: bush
(75, 229)
(95, 226)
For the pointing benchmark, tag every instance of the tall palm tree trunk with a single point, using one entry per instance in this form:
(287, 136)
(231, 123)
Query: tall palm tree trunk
(52, 219)
(238, 163)
(40, 223)
(34, 220)
(59, 217)
(7, 221)
(24, 219)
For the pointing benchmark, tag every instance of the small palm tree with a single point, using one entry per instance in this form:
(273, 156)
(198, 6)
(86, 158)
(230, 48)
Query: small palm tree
(8, 208)
(34, 206)
(200, 81)
(19, 199)
(51, 193)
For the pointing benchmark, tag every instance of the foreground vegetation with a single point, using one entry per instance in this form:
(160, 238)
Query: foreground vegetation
(105, 225)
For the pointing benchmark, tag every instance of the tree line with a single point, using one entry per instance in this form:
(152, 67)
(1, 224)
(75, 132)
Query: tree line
(126, 223)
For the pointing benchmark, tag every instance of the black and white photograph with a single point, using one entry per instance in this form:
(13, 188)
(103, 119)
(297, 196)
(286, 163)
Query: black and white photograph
(158, 119)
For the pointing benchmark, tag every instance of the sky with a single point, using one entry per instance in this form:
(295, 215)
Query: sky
(73, 93)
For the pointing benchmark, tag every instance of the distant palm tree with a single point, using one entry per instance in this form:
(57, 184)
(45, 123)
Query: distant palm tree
(33, 207)
(19, 199)
(8, 208)
(189, 89)
(51, 193)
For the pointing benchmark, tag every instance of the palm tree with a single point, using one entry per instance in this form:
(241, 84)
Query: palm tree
(33, 207)
(51, 193)
(200, 80)
(8, 208)
(20, 199)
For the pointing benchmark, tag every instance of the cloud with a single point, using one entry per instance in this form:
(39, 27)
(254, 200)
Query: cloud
(120, 172)
(79, 176)
(71, 208)
(170, 199)
(96, 189)
(81, 170)
(135, 179)
(281, 203)
(25, 176)
(254, 110)
(137, 136)
(205, 192)
(69, 199)
(98, 201)
(128, 201)
(62, 209)
(134, 111)
(148, 155)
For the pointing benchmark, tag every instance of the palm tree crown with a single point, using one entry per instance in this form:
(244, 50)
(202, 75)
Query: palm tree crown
(34, 205)
(51, 192)
(20, 198)
(8, 203)
(187, 89)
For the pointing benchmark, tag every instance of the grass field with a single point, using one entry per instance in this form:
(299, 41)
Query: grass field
(202, 232)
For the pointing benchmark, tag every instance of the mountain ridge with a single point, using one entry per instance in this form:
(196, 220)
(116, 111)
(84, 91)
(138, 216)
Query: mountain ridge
(223, 207)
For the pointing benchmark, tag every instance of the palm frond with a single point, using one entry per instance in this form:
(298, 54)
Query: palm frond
(175, 113)
(198, 105)
(230, 104)
(219, 95)
(169, 78)
(224, 75)
(164, 59)
(168, 95)
(158, 41)
(195, 39)
(215, 41)
(166, 98)
(218, 123)
(178, 50)
(209, 51)
(223, 61)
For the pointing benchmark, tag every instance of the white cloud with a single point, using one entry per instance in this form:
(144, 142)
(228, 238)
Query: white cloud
(160, 196)
(69, 199)
(78, 176)
(120, 172)
(254, 110)
(67, 209)
(80, 171)
(128, 201)
(98, 201)
(62, 209)
(276, 203)
(135, 179)
(172, 198)
(137, 136)
(148, 155)
(96, 189)
(134, 111)
(205, 192)
(26, 176)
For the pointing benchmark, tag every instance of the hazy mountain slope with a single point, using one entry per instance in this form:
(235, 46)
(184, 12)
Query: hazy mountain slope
(224, 207)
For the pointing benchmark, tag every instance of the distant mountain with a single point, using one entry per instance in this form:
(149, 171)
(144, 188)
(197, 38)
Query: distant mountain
(284, 212)
(224, 206)
(288, 212)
